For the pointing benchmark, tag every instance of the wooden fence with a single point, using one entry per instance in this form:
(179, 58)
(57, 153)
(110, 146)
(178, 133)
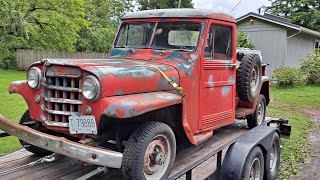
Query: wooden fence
(25, 57)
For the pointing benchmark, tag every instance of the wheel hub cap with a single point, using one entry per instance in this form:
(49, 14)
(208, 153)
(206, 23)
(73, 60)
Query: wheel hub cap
(255, 170)
(254, 78)
(156, 158)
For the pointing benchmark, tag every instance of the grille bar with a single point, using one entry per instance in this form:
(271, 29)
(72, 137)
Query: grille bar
(62, 100)
(62, 88)
(66, 113)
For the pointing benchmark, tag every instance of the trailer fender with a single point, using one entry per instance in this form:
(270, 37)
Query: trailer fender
(237, 153)
(129, 106)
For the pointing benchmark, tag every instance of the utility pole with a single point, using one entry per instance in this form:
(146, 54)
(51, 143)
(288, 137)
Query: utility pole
(179, 5)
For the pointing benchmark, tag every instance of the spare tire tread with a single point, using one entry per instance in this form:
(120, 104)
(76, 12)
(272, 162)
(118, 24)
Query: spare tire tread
(243, 76)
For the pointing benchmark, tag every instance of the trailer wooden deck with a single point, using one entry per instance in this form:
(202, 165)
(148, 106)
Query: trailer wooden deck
(200, 158)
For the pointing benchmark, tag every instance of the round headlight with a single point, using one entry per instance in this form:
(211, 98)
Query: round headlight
(91, 88)
(34, 77)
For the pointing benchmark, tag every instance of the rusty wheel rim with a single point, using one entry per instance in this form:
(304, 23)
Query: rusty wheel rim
(260, 112)
(254, 78)
(157, 157)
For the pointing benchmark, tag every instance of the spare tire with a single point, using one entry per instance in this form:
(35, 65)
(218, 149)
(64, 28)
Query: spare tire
(249, 77)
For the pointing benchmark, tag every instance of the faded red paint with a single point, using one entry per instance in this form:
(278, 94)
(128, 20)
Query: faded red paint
(130, 86)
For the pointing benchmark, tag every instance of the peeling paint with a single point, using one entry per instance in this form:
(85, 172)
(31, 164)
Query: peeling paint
(231, 79)
(210, 81)
(119, 92)
(194, 57)
(119, 52)
(225, 90)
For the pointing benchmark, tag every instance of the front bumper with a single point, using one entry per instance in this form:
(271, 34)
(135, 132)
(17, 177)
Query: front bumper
(61, 145)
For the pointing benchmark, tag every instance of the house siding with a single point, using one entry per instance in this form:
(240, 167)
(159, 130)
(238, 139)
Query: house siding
(298, 47)
(269, 38)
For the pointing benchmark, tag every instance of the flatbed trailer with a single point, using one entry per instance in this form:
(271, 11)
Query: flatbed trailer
(203, 161)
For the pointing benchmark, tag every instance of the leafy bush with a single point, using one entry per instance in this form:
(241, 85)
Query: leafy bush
(287, 76)
(243, 40)
(310, 69)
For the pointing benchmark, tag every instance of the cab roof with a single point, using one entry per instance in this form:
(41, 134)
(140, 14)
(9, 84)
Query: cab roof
(180, 13)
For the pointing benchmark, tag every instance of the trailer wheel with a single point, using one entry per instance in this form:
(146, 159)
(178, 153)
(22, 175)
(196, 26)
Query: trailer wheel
(249, 77)
(29, 147)
(273, 158)
(254, 165)
(259, 114)
(149, 152)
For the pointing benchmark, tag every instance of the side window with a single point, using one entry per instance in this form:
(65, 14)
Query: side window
(219, 43)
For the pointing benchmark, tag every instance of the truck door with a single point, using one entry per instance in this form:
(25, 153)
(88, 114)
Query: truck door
(218, 71)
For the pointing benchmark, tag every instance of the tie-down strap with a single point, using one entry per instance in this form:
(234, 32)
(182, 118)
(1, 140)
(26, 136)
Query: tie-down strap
(173, 84)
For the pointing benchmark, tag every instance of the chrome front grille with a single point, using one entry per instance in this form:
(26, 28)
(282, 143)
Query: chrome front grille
(61, 99)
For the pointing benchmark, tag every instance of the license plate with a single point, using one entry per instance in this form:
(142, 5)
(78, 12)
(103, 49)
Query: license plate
(82, 125)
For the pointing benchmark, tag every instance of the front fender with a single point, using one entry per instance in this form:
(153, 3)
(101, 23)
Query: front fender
(136, 104)
(17, 86)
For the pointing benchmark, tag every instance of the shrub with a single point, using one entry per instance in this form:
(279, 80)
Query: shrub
(310, 69)
(287, 76)
(243, 40)
(7, 59)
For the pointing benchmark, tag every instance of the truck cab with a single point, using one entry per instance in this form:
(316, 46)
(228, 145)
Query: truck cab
(171, 75)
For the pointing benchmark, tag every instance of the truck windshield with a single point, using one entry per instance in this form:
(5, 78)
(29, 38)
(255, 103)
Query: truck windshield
(162, 35)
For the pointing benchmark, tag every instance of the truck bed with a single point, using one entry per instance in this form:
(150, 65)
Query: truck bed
(200, 158)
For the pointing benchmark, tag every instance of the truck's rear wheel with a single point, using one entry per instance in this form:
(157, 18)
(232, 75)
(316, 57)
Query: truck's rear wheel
(149, 152)
(249, 77)
(25, 120)
(273, 158)
(259, 113)
(253, 168)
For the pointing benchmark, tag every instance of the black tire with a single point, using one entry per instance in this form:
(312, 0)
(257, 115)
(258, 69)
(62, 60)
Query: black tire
(259, 115)
(29, 147)
(272, 163)
(255, 157)
(249, 77)
(133, 165)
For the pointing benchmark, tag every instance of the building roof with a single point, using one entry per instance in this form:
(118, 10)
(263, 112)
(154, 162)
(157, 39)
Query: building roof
(180, 13)
(279, 21)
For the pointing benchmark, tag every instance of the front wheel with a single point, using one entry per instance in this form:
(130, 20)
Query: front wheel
(259, 114)
(25, 120)
(149, 152)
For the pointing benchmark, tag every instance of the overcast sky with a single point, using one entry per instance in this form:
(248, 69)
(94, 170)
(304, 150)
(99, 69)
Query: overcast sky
(226, 6)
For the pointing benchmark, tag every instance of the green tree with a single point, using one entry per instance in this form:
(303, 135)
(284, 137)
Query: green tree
(43, 24)
(103, 18)
(243, 40)
(305, 13)
(38, 24)
(162, 4)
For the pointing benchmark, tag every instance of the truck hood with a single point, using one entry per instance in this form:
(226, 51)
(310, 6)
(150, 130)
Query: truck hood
(122, 76)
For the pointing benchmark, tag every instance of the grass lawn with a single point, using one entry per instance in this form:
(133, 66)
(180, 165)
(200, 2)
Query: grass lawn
(287, 103)
(12, 106)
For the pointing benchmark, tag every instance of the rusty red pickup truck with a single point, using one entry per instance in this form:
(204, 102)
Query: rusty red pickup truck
(172, 75)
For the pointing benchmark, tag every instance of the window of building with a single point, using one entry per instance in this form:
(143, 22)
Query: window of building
(317, 44)
(219, 43)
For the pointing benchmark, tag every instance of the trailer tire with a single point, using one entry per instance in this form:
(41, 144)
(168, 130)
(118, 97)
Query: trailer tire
(149, 152)
(254, 165)
(259, 114)
(272, 162)
(249, 77)
(29, 147)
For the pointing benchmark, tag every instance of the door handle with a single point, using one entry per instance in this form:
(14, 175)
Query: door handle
(232, 65)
